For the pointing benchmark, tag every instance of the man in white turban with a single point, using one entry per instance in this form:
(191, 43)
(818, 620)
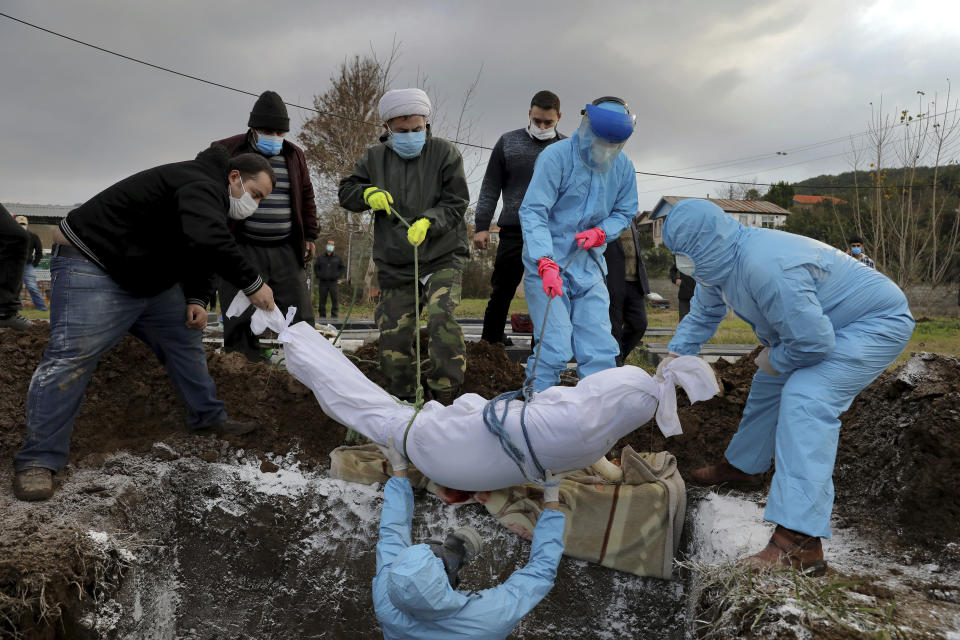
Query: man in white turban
(418, 177)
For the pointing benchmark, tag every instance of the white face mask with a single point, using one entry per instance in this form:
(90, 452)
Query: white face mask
(242, 207)
(541, 134)
(685, 265)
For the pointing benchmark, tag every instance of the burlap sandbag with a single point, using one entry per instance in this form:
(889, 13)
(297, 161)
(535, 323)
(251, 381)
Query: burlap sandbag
(627, 518)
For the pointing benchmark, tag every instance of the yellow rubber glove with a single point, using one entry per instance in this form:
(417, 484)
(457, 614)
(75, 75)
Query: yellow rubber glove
(418, 231)
(377, 199)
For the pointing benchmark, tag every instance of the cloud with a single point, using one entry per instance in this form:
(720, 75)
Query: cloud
(711, 84)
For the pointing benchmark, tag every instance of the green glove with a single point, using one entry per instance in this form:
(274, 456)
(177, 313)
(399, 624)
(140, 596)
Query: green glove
(377, 199)
(418, 231)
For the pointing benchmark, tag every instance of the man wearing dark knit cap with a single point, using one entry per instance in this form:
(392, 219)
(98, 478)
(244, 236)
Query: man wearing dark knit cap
(278, 238)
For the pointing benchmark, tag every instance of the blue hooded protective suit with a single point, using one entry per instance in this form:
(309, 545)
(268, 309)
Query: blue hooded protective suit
(564, 198)
(413, 598)
(832, 324)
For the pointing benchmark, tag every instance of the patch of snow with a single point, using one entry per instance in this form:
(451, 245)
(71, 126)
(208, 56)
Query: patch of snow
(726, 527)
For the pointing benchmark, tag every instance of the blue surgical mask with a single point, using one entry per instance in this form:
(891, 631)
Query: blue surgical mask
(856, 250)
(409, 145)
(685, 265)
(269, 145)
(329, 248)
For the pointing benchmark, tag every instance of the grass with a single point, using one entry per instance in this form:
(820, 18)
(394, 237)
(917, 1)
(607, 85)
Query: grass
(939, 334)
(730, 601)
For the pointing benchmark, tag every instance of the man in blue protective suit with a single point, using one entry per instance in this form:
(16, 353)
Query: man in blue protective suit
(414, 591)
(582, 194)
(829, 325)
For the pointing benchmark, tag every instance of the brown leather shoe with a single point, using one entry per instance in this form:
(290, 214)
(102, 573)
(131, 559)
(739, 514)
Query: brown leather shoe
(788, 548)
(33, 483)
(727, 474)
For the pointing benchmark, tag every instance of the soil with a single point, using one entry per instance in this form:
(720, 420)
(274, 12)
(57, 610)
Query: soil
(897, 463)
(489, 371)
(707, 426)
(899, 456)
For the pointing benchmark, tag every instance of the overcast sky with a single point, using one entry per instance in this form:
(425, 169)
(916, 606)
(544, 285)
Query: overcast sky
(710, 82)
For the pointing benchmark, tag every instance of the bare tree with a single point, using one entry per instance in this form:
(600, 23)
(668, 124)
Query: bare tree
(945, 128)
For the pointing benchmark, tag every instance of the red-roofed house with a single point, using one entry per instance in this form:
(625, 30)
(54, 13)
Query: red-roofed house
(806, 202)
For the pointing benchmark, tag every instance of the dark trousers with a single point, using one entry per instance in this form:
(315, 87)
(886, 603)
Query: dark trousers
(628, 315)
(328, 288)
(684, 307)
(280, 268)
(14, 245)
(507, 274)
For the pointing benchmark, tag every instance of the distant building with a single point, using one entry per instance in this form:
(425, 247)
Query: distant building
(750, 213)
(808, 202)
(42, 218)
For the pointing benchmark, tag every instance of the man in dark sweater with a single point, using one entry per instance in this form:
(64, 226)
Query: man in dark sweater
(14, 242)
(278, 238)
(34, 256)
(139, 257)
(328, 269)
(508, 174)
(628, 287)
(686, 286)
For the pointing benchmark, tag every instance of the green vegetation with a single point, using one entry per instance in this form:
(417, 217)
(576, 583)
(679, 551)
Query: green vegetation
(939, 334)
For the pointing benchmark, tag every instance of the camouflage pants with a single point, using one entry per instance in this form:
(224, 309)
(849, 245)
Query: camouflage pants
(397, 321)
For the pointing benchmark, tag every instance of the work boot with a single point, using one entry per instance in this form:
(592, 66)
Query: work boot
(33, 483)
(226, 427)
(15, 322)
(726, 474)
(788, 548)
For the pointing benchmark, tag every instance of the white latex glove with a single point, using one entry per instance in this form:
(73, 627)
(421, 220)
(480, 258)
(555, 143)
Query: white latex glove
(763, 362)
(397, 460)
(552, 493)
(668, 358)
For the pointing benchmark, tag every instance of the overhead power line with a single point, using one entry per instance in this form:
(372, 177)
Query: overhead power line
(460, 142)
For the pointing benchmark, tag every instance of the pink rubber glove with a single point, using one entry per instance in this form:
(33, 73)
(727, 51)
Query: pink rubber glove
(591, 238)
(550, 272)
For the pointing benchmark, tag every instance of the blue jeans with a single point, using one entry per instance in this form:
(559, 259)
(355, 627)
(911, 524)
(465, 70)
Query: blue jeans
(89, 314)
(30, 282)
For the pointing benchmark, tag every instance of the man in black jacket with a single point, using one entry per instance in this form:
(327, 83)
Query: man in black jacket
(328, 269)
(278, 238)
(508, 173)
(139, 257)
(686, 285)
(14, 243)
(628, 287)
(34, 256)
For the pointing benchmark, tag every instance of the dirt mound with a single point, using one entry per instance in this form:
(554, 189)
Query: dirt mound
(707, 426)
(130, 403)
(489, 371)
(899, 455)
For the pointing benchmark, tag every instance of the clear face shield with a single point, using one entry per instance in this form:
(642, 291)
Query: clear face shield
(603, 132)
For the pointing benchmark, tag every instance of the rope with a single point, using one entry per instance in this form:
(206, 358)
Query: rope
(496, 423)
(418, 398)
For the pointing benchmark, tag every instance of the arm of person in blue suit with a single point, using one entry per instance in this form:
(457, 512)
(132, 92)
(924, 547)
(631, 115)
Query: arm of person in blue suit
(542, 194)
(626, 205)
(395, 521)
(707, 311)
(505, 605)
(788, 300)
